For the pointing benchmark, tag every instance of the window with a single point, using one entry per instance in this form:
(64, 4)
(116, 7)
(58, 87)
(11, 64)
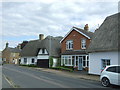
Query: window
(105, 62)
(118, 69)
(69, 45)
(62, 60)
(73, 58)
(67, 60)
(87, 60)
(25, 60)
(112, 69)
(84, 61)
(33, 60)
(115, 69)
(83, 43)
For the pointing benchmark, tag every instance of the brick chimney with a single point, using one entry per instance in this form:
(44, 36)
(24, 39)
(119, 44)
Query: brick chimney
(19, 46)
(7, 45)
(86, 27)
(41, 36)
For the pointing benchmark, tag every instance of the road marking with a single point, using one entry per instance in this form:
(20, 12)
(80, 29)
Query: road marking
(10, 82)
(38, 78)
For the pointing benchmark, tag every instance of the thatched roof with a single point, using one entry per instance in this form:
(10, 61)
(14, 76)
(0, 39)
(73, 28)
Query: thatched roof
(52, 44)
(106, 37)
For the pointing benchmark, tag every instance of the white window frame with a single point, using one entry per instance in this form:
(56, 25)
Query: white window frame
(83, 43)
(106, 63)
(32, 59)
(67, 60)
(69, 45)
(25, 60)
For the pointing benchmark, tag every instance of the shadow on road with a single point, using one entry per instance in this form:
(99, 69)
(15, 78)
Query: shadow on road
(115, 87)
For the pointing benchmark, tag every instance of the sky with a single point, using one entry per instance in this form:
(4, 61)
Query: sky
(26, 20)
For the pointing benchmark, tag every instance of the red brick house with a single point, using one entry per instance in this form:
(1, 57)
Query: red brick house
(73, 48)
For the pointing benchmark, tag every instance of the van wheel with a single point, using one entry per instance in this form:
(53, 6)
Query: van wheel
(105, 82)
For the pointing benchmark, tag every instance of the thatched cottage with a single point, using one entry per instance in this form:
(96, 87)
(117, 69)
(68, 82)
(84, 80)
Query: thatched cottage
(38, 52)
(103, 49)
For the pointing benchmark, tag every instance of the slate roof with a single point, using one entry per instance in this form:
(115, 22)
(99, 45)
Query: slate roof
(52, 44)
(106, 37)
(14, 50)
(88, 33)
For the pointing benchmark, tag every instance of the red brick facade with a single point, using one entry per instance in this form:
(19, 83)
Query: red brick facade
(76, 37)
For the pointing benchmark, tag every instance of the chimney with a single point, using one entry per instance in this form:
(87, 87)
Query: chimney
(7, 45)
(19, 46)
(41, 36)
(86, 27)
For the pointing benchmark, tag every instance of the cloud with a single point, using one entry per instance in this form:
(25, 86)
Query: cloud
(24, 20)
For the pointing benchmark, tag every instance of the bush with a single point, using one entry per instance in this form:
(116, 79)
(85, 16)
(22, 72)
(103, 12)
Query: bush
(59, 62)
(30, 65)
(62, 68)
(51, 61)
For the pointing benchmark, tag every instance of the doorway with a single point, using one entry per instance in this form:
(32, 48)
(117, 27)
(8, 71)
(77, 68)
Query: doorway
(80, 63)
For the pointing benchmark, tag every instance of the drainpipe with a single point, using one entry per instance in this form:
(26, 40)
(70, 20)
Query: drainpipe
(49, 49)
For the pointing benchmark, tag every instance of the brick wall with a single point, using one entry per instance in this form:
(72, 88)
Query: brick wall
(76, 37)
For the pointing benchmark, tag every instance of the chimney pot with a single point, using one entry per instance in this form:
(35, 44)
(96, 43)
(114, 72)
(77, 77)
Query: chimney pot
(41, 36)
(7, 45)
(86, 27)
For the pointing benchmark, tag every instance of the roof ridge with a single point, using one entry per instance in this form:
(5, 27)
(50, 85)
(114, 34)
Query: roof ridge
(82, 29)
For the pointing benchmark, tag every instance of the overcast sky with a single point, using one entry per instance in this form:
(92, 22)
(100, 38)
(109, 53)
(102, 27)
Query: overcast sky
(26, 20)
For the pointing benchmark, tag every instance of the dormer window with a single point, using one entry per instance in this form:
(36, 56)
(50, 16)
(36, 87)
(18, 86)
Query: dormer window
(43, 51)
(83, 43)
(69, 45)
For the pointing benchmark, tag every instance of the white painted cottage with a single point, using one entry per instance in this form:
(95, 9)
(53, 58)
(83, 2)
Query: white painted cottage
(39, 51)
(103, 49)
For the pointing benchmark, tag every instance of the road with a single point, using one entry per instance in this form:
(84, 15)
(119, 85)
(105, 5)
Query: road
(24, 77)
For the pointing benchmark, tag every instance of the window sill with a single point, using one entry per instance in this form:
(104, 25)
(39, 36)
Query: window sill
(83, 48)
(68, 65)
(69, 49)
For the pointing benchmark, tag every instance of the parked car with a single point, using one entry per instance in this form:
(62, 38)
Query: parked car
(110, 75)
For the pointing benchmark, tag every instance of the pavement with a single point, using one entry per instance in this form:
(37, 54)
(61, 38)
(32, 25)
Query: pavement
(74, 74)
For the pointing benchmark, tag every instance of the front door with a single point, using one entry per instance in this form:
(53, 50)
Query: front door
(80, 63)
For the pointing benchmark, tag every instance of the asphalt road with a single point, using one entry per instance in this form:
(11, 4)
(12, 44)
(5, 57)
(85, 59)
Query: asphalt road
(22, 77)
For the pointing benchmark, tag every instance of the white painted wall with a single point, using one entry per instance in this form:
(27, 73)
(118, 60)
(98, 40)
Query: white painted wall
(55, 60)
(95, 60)
(43, 57)
(16, 61)
(29, 60)
(0, 77)
(0, 61)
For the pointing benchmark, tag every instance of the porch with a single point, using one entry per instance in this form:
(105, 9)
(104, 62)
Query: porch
(78, 62)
